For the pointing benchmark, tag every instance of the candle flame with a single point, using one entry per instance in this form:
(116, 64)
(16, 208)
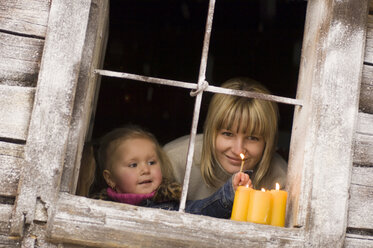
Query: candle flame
(263, 190)
(277, 186)
(242, 156)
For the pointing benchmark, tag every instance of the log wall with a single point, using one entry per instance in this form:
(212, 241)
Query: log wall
(360, 218)
(23, 26)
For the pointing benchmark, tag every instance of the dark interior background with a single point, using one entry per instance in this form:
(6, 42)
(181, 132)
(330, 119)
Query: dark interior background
(260, 39)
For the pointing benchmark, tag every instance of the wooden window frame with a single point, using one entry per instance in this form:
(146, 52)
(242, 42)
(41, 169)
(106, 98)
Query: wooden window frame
(321, 143)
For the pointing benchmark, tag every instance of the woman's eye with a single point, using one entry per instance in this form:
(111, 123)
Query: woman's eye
(133, 165)
(254, 138)
(229, 134)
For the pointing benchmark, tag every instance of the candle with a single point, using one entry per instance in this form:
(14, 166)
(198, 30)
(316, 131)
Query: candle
(259, 210)
(242, 157)
(240, 203)
(279, 198)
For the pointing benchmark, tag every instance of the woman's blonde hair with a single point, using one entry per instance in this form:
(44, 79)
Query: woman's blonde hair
(111, 141)
(254, 116)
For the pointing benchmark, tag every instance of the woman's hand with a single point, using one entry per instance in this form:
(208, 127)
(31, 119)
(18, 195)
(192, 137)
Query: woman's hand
(241, 179)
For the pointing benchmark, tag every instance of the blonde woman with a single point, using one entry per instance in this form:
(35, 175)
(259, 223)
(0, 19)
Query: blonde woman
(233, 125)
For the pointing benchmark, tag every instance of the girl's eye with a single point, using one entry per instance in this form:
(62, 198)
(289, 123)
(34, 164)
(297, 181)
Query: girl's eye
(133, 165)
(152, 162)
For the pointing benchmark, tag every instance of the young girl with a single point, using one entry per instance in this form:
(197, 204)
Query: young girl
(233, 125)
(137, 171)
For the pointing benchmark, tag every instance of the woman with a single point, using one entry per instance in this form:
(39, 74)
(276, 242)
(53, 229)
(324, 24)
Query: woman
(233, 125)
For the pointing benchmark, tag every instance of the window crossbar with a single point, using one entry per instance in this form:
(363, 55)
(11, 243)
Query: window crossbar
(194, 86)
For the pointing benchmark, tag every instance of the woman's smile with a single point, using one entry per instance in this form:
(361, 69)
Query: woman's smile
(234, 160)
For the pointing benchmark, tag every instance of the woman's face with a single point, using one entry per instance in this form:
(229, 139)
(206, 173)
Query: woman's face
(229, 144)
(136, 167)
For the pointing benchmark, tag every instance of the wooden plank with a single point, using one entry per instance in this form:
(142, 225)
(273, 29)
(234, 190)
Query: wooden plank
(36, 237)
(366, 98)
(367, 76)
(11, 161)
(360, 207)
(370, 6)
(28, 17)
(84, 221)
(323, 129)
(5, 213)
(363, 152)
(369, 26)
(87, 91)
(368, 56)
(366, 91)
(358, 241)
(362, 176)
(50, 121)
(5, 239)
(10, 149)
(19, 59)
(10, 171)
(15, 112)
(72, 246)
(365, 124)
(361, 201)
(9, 241)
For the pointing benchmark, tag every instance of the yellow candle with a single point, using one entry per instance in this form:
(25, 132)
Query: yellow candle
(279, 198)
(240, 203)
(259, 210)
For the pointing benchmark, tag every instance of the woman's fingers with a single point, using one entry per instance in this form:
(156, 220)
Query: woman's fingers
(241, 179)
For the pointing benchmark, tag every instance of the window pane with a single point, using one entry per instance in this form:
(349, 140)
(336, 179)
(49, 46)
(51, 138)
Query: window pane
(258, 39)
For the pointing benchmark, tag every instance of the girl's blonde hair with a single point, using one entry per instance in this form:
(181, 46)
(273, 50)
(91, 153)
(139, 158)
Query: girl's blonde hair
(253, 116)
(112, 140)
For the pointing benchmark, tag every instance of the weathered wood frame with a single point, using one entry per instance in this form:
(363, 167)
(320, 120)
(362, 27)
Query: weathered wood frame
(62, 108)
(323, 132)
(323, 83)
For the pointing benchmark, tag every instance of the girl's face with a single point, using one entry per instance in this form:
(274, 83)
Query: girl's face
(229, 144)
(136, 167)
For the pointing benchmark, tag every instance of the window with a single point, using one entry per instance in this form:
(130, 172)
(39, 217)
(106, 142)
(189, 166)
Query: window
(155, 41)
(78, 220)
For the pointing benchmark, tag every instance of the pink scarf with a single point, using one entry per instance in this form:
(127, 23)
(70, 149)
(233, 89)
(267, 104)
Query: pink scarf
(128, 198)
